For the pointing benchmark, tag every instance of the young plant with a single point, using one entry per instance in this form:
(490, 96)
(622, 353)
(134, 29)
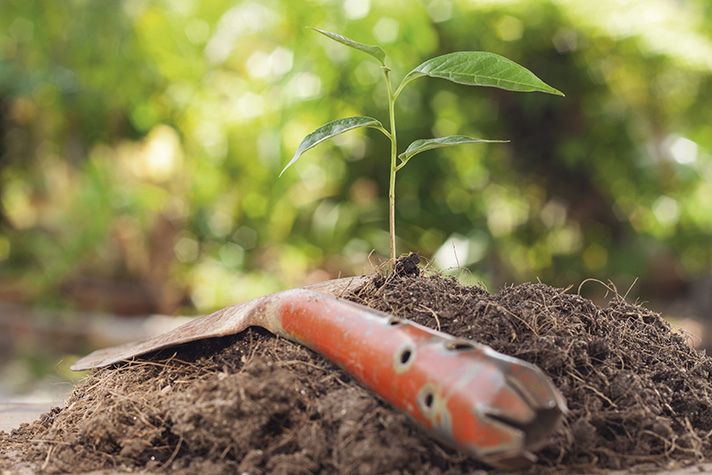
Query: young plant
(471, 68)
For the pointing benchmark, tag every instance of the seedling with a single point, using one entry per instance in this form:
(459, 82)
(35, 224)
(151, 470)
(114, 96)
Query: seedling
(471, 68)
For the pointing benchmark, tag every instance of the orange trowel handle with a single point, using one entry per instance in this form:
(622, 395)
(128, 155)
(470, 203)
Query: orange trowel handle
(492, 406)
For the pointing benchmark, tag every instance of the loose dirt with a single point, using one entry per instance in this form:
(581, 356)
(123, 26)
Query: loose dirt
(251, 403)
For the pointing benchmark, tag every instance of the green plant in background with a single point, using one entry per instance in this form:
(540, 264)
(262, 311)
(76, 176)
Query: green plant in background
(612, 184)
(471, 68)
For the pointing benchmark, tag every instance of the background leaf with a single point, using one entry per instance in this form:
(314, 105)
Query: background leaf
(329, 130)
(375, 51)
(479, 68)
(421, 145)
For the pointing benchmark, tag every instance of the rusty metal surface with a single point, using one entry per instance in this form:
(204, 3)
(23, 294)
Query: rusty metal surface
(496, 408)
(228, 321)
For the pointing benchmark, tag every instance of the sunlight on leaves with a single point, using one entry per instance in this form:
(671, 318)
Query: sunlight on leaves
(422, 145)
(375, 51)
(329, 130)
(479, 68)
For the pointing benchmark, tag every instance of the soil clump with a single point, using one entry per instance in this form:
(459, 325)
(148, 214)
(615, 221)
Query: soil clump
(252, 403)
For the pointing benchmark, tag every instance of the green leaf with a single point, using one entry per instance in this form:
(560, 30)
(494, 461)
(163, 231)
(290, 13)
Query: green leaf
(331, 129)
(422, 145)
(375, 51)
(479, 68)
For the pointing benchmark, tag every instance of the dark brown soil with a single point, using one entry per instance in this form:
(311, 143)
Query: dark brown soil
(250, 403)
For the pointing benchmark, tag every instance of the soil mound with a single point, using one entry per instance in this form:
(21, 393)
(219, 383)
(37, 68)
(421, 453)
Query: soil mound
(251, 403)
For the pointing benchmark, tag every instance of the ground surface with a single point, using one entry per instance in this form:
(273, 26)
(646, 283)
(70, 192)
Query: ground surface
(636, 391)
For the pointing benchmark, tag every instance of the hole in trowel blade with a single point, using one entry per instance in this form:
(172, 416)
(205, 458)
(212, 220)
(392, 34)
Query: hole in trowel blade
(428, 400)
(460, 345)
(394, 322)
(404, 357)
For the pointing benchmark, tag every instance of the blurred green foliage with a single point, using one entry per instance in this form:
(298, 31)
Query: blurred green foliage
(140, 143)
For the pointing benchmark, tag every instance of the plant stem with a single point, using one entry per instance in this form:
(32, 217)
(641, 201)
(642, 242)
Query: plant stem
(392, 185)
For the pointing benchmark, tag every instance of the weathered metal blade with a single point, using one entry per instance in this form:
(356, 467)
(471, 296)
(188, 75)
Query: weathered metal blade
(494, 407)
(228, 321)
